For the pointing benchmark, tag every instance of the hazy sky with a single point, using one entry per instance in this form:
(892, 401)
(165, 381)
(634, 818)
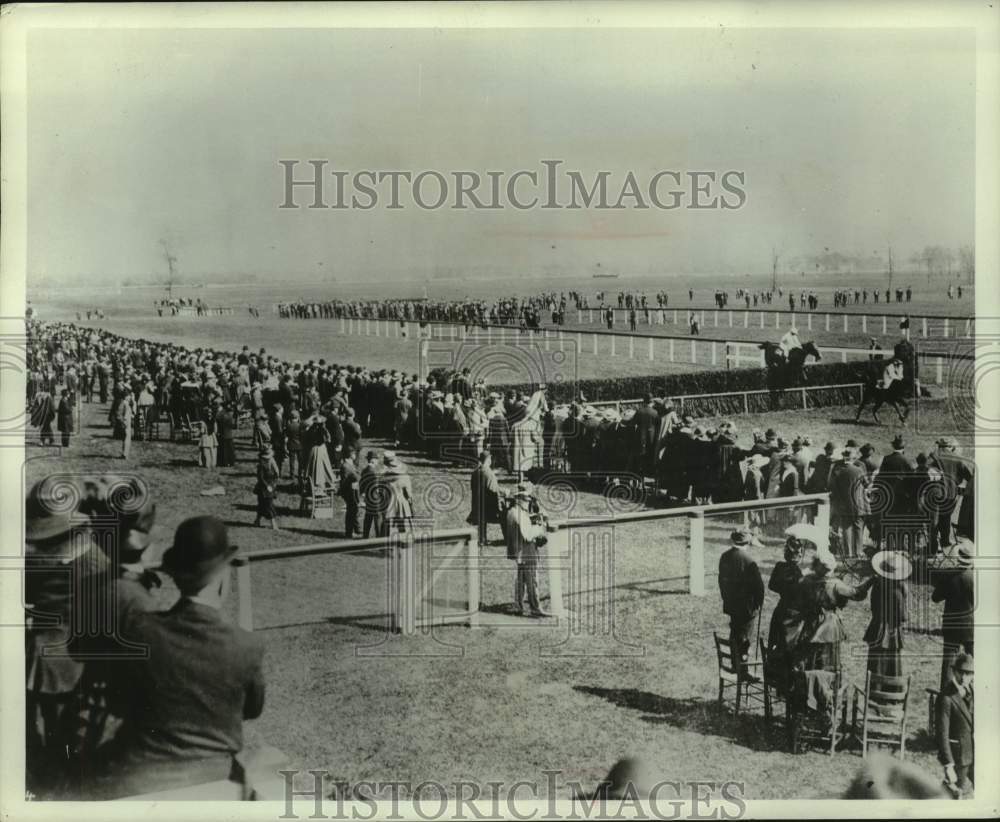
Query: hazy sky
(849, 140)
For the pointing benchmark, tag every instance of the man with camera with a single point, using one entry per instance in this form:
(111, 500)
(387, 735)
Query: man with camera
(525, 534)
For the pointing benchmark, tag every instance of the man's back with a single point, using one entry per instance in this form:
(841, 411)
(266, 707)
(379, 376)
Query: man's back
(202, 677)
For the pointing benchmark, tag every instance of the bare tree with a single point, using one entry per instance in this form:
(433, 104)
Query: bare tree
(967, 262)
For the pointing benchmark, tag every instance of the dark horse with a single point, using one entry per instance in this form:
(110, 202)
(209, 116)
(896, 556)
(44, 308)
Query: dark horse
(782, 373)
(876, 396)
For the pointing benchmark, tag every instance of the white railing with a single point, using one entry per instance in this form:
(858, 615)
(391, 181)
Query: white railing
(411, 562)
(559, 556)
(803, 390)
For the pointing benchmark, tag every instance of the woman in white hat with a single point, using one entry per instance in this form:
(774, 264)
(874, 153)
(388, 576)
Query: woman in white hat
(884, 634)
(823, 596)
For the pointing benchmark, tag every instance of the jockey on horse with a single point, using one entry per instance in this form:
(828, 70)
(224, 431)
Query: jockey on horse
(887, 389)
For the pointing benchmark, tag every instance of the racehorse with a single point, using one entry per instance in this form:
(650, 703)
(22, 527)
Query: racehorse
(785, 373)
(876, 395)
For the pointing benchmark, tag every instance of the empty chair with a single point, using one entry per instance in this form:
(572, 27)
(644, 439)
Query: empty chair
(733, 675)
(883, 709)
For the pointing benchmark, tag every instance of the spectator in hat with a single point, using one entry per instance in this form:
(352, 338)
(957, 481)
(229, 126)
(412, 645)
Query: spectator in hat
(742, 590)
(955, 587)
(524, 536)
(225, 425)
(64, 415)
(849, 501)
(186, 700)
(293, 446)
(957, 472)
(61, 564)
(371, 492)
(350, 482)
(266, 487)
(486, 495)
(398, 494)
(955, 726)
(819, 479)
(884, 634)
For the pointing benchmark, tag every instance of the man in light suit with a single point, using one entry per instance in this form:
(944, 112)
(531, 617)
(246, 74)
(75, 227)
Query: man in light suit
(185, 702)
(742, 590)
(956, 726)
(522, 536)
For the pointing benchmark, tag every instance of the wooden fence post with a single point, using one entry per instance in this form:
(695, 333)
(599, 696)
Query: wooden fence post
(244, 593)
(671, 350)
(612, 345)
(556, 553)
(595, 343)
(822, 520)
(696, 554)
(827, 322)
(884, 318)
(631, 347)
(923, 321)
(694, 358)
(650, 349)
(945, 327)
(845, 323)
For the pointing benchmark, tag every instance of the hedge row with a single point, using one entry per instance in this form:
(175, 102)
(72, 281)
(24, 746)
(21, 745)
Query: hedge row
(716, 382)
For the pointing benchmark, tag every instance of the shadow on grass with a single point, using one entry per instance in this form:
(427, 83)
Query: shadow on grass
(700, 716)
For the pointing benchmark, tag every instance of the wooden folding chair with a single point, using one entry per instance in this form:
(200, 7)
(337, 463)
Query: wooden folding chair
(317, 501)
(883, 708)
(732, 674)
(775, 683)
(827, 726)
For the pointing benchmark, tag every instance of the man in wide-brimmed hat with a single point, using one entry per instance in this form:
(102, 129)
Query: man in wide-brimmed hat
(66, 577)
(186, 700)
(524, 536)
(955, 587)
(955, 726)
(742, 590)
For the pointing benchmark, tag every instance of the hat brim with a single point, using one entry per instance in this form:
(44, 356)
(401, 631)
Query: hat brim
(903, 570)
(47, 528)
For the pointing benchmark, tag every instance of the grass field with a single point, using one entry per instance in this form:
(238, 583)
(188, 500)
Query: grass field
(507, 705)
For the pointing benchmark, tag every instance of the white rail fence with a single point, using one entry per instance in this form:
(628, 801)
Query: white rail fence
(415, 565)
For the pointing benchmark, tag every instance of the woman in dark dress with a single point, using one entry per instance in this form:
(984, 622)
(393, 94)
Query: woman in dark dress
(784, 579)
(884, 634)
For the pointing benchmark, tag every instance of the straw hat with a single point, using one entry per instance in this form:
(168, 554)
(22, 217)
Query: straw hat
(891, 565)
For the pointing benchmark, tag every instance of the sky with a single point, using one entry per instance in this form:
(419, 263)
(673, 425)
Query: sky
(849, 140)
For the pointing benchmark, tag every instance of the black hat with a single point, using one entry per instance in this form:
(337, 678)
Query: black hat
(201, 547)
(897, 442)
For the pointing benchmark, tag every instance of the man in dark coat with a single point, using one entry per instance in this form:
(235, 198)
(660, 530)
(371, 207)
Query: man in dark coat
(647, 426)
(819, 479)
(955, 726)
(893, 484)
(485, 497)
(350, 484)
(65, 416)
(186, 700)
(848, 501)
(61, 563)
(956, 471)
(370, 492)
(955, 587)
(225, 425)
(742, 590)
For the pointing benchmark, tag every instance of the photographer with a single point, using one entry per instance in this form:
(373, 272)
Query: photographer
(525, 534)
